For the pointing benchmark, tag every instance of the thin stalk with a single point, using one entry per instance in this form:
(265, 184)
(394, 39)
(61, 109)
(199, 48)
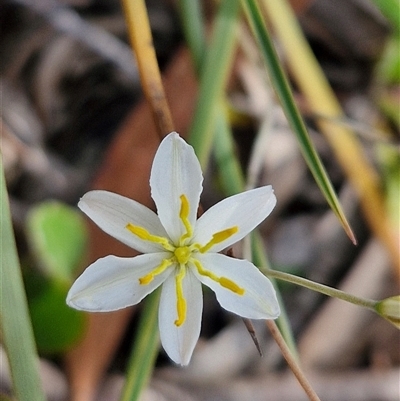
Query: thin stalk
(321, 288)
(302, 379)
(144, 352)
(138, 24)
(260, 259)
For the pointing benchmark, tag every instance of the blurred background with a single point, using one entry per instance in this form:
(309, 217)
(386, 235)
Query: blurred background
(73, 118)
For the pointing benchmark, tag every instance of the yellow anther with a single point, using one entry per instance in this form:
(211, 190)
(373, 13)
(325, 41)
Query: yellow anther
(182, 254)
(230, 285)
(184, 216)
(143, 234)
(219, 237)
(148, 278)
(223, 281)
(180, 299)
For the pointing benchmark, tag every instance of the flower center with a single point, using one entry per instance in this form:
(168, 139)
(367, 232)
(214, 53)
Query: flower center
(182, 254)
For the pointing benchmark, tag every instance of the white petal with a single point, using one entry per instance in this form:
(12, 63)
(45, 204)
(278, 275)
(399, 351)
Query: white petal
(245, 210)
(112, 212)
(175, 172)
(179, 342)
(112, 283)
(259, 299)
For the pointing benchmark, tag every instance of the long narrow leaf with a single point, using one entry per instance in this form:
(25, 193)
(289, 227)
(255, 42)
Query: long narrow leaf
(323, 102)
(193, 28)
(285, 96)
(16, 328)
(214, 75)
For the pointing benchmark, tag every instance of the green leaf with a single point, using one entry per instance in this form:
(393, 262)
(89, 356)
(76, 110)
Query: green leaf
(388, 69)
(284, 93)
(57, 327)
(58, 237)
(214, 74)
(16, 330)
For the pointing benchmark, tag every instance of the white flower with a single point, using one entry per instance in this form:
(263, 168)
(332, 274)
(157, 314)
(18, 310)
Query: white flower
(179, 251)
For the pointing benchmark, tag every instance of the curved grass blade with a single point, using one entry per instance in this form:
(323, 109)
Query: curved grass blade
(285, 96)
(323, 102)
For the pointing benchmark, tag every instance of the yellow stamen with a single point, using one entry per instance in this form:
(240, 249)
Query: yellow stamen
(142, 233)
(230, 285)
(181, 301)
(184, 216)
(223, 281)
(219, 237)
(148, 278)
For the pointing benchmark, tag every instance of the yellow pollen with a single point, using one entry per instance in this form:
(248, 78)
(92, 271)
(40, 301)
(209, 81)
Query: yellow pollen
(219, 237)
(184, 216)
(223, 281)
(143, 234)
(148, 278)
(181, 306)
(182, 254)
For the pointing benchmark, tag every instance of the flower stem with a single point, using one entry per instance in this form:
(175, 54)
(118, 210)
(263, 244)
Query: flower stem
(291, 361)
(321, 288)
(142, 42)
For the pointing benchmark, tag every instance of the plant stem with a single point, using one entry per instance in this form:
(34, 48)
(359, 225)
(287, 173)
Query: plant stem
(138, 24)
(294, 366)
(321, 288)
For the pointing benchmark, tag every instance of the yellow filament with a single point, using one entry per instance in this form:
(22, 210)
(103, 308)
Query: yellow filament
(223, 281)
(219, 237)
(142, 233)
(148, 278)
(181, 301)
(184, 216)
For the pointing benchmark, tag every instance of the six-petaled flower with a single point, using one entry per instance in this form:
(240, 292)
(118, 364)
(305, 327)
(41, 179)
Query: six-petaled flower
(179, 251)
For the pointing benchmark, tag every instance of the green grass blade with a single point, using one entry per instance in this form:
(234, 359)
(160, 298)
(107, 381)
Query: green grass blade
(214, 74)
(16, 329)
(284, 93)
(145, 349)
(193, 27)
